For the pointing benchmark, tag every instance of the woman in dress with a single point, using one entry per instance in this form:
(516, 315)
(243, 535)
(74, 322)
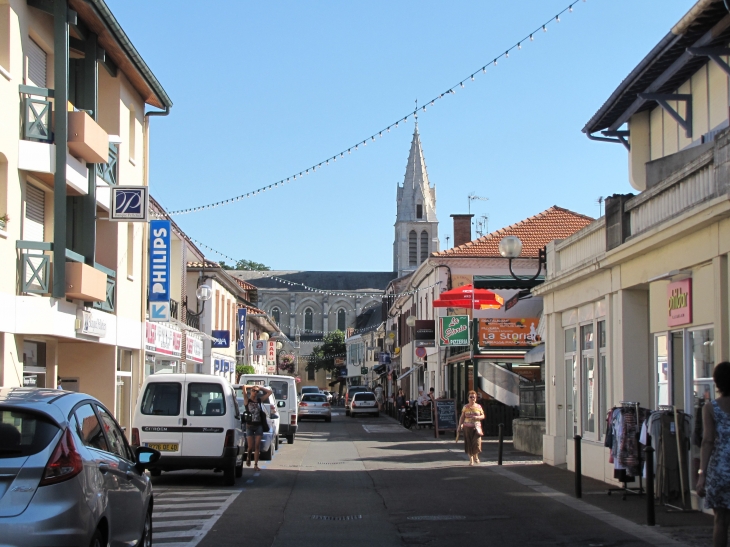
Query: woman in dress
(252, 397)
(714, 480)
(471, 416)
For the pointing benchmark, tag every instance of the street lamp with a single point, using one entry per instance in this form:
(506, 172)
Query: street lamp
(511, 247)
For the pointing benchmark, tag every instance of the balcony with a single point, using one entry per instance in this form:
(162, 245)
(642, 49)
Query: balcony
(86, 139)
(95, 284)
(192, 320)
(174, 309)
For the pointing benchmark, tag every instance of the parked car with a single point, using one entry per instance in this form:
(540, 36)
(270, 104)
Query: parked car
(350, 392)
(315, 406)
(310, 389)
(270, 440)
(193, 420)
(364, 403)
(69, 477)
(285, 391)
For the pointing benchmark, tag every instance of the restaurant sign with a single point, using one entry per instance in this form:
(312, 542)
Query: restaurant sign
(508, 332)
(454, 330)
(679, 294)
(162, 339)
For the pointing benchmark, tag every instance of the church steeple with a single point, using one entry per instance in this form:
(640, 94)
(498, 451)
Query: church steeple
(416, 225)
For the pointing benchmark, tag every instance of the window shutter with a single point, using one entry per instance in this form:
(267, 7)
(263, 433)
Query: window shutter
(37, 64)
(35, 206)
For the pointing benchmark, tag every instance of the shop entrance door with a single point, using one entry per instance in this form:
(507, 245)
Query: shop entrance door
(676, 367)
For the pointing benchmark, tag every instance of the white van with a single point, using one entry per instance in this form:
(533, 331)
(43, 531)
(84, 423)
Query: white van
(285, 392)
(193, 420)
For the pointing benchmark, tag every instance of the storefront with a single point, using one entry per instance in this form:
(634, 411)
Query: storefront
(163, 349)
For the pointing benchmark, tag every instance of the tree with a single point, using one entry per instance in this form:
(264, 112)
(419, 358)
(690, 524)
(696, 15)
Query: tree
(323, 356)
(245, 265)
(244, 369)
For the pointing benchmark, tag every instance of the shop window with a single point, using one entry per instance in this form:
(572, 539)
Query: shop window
(571, 383)
(308, 315)
(602, 377)
(661, 362)
(341, 320)
(588, 380)
(34, 365)
(702, 346)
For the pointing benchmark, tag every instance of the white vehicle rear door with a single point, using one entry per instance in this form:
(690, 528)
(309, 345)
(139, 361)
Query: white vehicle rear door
(161, 419)
(207, 412)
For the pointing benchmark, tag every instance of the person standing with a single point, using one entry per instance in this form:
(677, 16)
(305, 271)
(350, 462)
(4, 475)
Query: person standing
(714, 474)
(379, 396)
(470, 423)
(252, 397)
(400, 405)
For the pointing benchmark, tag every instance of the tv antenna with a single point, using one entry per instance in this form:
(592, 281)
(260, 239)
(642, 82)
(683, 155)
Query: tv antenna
(473, 197)
(600, 201)
(483, 225)
(447, 241)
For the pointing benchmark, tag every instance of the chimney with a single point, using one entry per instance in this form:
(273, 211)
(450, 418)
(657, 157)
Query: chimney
(462, 229)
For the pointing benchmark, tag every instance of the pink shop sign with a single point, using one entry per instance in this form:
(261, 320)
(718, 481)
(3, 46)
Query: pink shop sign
(679, 296)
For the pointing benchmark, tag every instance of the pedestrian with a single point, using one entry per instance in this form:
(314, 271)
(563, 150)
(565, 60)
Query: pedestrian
(714, 474)
(252, 397)
(470, 423)
(58, 383)
(379, 396)
(400, 404)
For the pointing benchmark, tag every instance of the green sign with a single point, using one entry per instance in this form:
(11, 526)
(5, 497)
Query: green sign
(454, 330)
(363, 370)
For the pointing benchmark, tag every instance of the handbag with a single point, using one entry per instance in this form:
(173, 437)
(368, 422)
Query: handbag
(478, 429)
(247, 417)
(265, 427)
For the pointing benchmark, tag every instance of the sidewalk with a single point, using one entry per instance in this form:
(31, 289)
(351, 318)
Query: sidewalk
(693, 529)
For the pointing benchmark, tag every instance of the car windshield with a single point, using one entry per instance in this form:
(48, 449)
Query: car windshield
(280, 389)
(24, 433)
(314, 398)
(364, 396)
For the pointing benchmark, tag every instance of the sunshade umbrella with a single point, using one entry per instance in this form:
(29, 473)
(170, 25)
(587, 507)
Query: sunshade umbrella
(467, 292)
(491, 304)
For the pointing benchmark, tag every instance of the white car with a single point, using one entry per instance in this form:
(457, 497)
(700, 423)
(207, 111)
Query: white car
(364, 403)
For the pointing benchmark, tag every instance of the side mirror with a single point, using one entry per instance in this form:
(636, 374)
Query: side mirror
(280, 404)
(274, 416)
(146, 456)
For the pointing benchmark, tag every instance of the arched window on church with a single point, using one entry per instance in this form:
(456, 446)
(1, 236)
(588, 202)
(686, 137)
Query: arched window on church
(341, 320)
(412, 249)
(308, 313)
(276, 314)
(424, 245)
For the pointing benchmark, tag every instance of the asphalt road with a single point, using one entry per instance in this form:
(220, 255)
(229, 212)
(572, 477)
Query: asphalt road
(370, 482)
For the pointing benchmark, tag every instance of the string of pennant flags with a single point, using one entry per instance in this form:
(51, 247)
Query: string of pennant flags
(379, 134)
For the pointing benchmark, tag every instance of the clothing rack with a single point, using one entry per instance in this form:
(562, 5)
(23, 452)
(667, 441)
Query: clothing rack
(625, 489)
(675, 413)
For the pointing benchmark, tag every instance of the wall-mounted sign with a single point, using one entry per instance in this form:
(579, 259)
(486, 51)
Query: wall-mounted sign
(384, 358)
(339, 361)
(193, 349)
(259, 347)
(222, 339)
(363, 370)
(679, 294)
(271, 351)
(241, 343)
(508, 332)
(271, 369)
(425, 333)
(90, 323)
(129, 204)
(223, 366)
(163, 339)
(454, 330)
(421, 352)
(159, 275)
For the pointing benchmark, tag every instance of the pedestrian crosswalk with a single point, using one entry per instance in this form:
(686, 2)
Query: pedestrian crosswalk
(181, 518)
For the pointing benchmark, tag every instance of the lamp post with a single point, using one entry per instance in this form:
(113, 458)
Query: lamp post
(511, 247)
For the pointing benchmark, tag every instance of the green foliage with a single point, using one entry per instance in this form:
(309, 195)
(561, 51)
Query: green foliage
(244, 369)
(245, 265)
(323, 356)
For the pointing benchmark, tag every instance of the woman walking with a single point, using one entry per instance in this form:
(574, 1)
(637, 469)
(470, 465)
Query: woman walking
(714, 481)
(252, 397)
(470, 423)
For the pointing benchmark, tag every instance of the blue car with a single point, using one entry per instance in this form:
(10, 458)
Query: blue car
(68, 475)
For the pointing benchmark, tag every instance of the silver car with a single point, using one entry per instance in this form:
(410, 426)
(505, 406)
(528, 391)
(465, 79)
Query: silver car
(315, 406)
(68, 475)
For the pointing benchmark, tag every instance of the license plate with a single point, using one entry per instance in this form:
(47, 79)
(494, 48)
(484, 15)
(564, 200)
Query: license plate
(164, 447)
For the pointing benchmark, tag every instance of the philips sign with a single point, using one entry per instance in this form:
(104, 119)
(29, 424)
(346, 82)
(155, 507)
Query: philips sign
(159, 287)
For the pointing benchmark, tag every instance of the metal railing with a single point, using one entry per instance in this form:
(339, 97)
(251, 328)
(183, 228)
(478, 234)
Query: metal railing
(532, 400)
(192, 320)
(109, 304)
(37, 113)
(174, 309)
(35, 267)
(108, 172)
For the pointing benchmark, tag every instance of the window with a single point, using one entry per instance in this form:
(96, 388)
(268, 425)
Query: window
(37, 62)
(311, 372)
(571, 384)
(89, 428)
(206, 399)
(5, 37)
(162, 399)
(24, 433)
(132, 133)
(341, 320)
(276, 314)
(589, 380)
(412, 249)
(314, 398)
(602, 377)
(114, 435)
(419, 211)
(424, 245)
(308, 313)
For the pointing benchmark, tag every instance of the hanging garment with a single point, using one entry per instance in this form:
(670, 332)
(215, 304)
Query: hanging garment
(717, 483)
(668, 458)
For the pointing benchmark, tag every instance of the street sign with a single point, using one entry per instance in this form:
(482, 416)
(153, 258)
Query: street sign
(454, 330)
(512, 302)
(129, 204)
(160, 311)
(421, 352)
(363, 370)
(159, 283)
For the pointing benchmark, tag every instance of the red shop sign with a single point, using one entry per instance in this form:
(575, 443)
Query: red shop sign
(679, 296)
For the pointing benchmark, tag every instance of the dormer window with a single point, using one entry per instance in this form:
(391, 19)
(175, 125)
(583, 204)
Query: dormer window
(419, 211)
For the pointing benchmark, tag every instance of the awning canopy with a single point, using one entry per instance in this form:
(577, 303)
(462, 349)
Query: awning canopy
(410, 371)
(535, 355)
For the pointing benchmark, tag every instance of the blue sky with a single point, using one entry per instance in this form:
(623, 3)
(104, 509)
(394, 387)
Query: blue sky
(262, 91)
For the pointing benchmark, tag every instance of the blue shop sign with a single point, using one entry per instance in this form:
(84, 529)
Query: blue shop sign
(221, 365)
(222, 339)
(241, 345)
(160, 250)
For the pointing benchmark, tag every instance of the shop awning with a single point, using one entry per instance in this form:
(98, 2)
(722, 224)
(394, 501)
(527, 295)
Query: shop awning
(535, 355)
(413, 369)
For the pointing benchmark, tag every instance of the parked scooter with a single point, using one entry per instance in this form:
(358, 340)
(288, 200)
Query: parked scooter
(409, 414)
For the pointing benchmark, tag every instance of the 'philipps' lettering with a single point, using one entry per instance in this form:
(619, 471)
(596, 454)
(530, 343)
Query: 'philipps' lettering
(678, 300)
(159, 261)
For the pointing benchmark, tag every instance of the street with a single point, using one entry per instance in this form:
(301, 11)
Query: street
(368, 481)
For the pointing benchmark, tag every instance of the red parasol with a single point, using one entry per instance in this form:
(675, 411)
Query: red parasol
(494, 303)
(467, 292)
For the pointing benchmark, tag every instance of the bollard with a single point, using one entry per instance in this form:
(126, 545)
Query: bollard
(578, 470)
(501, 442)
(650, 517)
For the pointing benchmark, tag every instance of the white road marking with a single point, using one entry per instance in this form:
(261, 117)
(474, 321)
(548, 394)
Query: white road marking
(385, 428)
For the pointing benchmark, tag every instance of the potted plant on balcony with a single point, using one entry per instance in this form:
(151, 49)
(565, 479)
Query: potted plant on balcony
(287, 363)
(4, 219)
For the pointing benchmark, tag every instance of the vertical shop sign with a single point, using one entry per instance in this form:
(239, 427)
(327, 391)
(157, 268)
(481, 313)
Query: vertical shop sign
(241, 344)
(159, 275)
(679, 294)
(271, 352)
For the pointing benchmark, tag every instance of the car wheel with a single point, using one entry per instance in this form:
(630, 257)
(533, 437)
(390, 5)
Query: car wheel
(239, 470)
(328, 420)
(290, 439)
(96, 539)
(266, 456)
(146, 540)
(377, 414)
(229, 475)
(407, 422)
(155, 472)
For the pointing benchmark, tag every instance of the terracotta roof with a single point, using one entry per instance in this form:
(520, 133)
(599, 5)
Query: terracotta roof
(244, 284)
(207, 264)
(252, 309)
(535, 232)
